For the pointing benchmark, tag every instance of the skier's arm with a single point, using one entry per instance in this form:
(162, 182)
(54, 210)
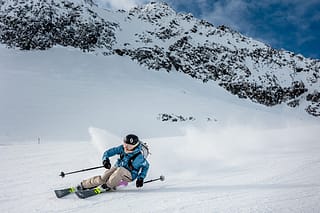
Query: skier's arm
(111, 152)
(143, 173)
(144, 169)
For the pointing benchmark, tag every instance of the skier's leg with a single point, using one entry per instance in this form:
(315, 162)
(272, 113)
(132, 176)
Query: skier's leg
(98, 180)
(118, 175)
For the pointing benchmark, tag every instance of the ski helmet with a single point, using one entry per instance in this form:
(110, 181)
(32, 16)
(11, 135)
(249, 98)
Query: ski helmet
(131, 139)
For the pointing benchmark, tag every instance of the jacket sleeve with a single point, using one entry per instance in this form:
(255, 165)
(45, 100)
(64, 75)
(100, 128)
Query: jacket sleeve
(144, 169)
(111, 152)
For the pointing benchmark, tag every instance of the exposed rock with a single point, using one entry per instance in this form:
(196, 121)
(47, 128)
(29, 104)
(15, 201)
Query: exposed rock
(43, 24)
(174, 118)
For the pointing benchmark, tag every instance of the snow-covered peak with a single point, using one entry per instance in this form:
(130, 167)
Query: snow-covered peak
(158, 8)
(154, 12)
(153, 7)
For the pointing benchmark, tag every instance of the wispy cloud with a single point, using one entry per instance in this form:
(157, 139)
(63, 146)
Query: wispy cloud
(275, 22)
(230, 12)
(120, 4)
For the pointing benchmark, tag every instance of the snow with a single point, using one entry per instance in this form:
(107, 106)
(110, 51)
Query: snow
(246, 158)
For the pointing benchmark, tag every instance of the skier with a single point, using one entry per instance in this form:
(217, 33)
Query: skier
(130, 165)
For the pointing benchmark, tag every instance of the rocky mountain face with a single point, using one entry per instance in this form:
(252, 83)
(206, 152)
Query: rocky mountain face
(158, 38)
(41, 24)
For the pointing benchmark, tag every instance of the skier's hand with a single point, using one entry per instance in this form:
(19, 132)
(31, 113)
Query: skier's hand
(106, 163)
(139, 182)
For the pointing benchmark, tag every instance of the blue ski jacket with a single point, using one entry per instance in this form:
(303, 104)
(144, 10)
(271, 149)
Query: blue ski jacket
(138, 166)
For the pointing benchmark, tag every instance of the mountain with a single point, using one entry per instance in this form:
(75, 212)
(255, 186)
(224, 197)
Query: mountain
(157, 37)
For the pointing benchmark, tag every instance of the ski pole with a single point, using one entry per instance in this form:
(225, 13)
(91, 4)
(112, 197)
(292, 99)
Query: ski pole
(62, 174)
(152, 180)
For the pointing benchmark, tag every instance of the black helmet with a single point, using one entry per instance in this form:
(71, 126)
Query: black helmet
(131, 139)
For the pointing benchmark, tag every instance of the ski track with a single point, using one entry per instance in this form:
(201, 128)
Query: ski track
(265, 182)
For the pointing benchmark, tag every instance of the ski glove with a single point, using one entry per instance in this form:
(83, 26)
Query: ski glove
(139, 182)
(106, 163)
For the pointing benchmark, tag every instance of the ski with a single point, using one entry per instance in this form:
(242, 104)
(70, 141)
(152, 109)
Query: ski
(83, 194)
(64, 192)
(95, 191)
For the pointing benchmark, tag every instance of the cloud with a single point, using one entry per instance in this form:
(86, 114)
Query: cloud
(287, 24)
(120, 4)
(230, 13)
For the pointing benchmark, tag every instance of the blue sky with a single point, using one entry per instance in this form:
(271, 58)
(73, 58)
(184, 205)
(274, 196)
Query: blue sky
(292, 25)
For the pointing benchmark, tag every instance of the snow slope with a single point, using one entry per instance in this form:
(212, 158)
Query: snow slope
(255, 175)
(57, 94)
(236, 156)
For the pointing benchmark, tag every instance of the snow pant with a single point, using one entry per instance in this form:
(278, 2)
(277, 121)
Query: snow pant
(112, 177)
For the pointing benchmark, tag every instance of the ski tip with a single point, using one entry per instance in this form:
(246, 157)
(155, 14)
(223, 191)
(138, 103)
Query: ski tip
(64, 192)
(58, 194)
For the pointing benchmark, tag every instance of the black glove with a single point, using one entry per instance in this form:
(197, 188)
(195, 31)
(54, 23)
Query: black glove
(106, 163)
(139, 182)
